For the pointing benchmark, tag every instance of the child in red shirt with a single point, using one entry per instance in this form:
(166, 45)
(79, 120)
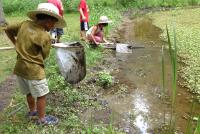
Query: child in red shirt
(84, 18)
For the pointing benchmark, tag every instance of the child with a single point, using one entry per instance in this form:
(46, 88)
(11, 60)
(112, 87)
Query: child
(84, 18)
(33, 43)
(95, 33)
(57, 32)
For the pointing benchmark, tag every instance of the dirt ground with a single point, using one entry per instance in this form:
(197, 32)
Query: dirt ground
(7, 89)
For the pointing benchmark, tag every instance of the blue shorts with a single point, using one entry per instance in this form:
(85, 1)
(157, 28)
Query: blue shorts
(84, 26)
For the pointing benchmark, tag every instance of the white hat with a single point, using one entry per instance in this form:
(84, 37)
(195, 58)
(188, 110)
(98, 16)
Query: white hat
(48, 9)
(104, 19)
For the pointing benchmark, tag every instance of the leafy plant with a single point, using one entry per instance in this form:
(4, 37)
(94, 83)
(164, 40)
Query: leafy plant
(105, 79)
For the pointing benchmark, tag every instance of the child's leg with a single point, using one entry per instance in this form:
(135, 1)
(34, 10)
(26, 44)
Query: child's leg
(39, 89)
(41, 104)
(60, 32)
(24, 87)
(98, 39)
(83, 35)
(58, 38)
(31, 102)
(84, 28)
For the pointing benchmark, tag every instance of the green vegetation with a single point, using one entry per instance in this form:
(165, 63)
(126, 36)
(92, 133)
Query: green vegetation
(172, 46)
(71, 5)
(173, 56)
(64, 101)
(21, 6)
(197, 130)
(8, 57)
(187, 29)
(7, 60)
(163, 71)
(165, 3)
(105, 79)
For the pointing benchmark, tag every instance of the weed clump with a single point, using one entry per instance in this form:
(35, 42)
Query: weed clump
(105, 79)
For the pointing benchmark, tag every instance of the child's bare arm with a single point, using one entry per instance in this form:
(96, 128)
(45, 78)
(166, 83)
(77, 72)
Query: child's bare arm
(93, 33)
(81, 12)
(11, 36)
(12, 31)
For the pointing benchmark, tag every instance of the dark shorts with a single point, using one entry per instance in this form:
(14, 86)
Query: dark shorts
(58, 31)
(84, 26)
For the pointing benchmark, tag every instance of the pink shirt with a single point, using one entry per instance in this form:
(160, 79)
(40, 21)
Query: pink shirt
(58, 4)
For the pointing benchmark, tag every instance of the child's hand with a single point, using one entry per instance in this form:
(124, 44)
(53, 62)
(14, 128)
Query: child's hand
(109, 43)
(84, 18)
(97, 43)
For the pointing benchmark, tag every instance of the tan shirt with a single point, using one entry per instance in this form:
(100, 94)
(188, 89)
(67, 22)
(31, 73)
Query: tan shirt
(32, 46)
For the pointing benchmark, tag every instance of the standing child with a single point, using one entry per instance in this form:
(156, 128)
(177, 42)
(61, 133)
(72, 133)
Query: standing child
(84, 18)
(33, 43)
(96, 34)
(57, 32)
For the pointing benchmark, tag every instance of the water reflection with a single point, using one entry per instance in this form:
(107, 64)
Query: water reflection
(141, 124)
(141, 108)
(141, 111)
(140, 103)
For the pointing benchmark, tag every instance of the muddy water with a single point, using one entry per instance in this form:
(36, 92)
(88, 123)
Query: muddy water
(141, 110)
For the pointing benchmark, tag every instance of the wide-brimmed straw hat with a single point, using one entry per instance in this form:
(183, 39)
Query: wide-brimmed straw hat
(48, 9)
(104, 20)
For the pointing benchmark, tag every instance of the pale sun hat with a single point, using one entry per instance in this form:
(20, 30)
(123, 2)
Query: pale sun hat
(104, 20)
(48, 9)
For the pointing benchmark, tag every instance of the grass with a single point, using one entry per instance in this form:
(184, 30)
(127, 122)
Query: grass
(7, 60)
(165, 3)
(197, 130)
(15, 7)
(172, 46)
(163, 71)
(7, 57)
(63, 100)
(187, 29)
(173, 57)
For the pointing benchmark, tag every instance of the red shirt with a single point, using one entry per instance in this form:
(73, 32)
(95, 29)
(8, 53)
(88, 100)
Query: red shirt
(83, 5)
(58, 4)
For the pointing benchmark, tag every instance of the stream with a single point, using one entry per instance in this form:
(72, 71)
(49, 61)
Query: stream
(142, 110)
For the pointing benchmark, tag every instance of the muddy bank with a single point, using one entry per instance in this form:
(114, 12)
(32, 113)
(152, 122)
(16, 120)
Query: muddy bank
(135, 103)
(7, 89)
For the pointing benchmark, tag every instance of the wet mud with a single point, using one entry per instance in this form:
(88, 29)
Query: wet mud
(143, 109)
